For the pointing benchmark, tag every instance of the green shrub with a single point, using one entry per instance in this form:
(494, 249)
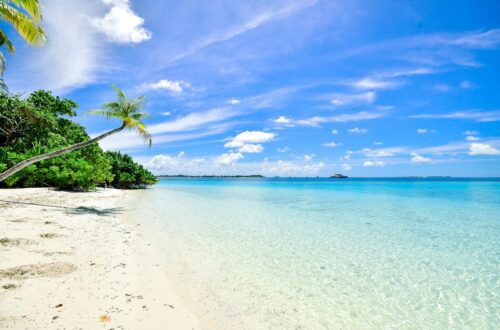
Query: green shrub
(41, 123)
(128, 174)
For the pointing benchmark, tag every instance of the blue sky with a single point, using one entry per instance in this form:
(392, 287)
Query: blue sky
(288, 88)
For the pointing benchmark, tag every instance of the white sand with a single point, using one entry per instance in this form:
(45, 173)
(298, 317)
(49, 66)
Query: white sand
(75, 251)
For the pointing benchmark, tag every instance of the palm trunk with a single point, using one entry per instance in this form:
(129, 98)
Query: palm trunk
(27, 162)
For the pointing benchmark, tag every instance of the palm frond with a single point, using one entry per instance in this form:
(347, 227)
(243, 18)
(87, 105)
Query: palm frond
(32, 7)
(2, 63)
(128, 110)
(3, 87)
(27, 28)
(4, 40)
(140, 115)
(121, 95)
(101, 112)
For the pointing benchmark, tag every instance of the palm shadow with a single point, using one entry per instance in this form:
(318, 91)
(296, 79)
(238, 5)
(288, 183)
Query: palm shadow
(95, 211)
(80, 210)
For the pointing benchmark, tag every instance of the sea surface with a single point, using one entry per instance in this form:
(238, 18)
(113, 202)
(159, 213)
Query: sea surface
(330, 253)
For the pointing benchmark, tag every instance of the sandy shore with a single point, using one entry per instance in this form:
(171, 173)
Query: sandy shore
(70, 261)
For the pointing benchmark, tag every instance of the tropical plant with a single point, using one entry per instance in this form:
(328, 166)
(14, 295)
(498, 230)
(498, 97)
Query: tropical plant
(24, 16)
(126, 173)
(127, 110)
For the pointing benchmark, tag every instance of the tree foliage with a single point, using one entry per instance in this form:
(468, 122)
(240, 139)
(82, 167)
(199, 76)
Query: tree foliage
(42, 123)
(127, 173)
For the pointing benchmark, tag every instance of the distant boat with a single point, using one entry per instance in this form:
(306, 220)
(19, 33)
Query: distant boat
(339, 176)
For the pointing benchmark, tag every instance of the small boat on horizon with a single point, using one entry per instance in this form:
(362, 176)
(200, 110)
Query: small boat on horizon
(338, 176)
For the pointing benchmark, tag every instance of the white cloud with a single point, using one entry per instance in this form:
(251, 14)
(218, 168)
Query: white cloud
(308, 157)
(166, 113)
(173, 165)
(466, 85)
(480, 116)
(286, 168)
(175, 86)
(121, 24)
(422, 130)
(332, 144)
(226, 164)
(416, 158)
(283, 120)
(283, 149)
(348, 99)
(228, 159)
(373, 83)
(65, 61)
(442, 88)
(233, 101)
(376, 163)
(346, 167)
(129, 140)
(482, 149)
(380, 153)
(316, 121)
(473, 39)
(471, 132)
(249, 137)
(472, 138)
(260, 19)
(251, 148)
(357, 130)
(193, 121)
(335, 132)
(438, 48)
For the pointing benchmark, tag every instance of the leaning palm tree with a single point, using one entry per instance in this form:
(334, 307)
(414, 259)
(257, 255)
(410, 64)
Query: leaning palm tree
(126, 110)
(24, 16)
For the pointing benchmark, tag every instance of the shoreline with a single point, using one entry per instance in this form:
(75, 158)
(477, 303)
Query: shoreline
(74, 260)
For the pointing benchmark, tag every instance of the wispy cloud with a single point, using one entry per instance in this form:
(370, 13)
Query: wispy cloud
(77, 53)
(332, 144)
(373, 163)
(416, 158)
(66, 61)
(357, 130)
(131, 141)
(349, 99)
(317, 121)
(437, 42)
(193, 121)
(253, 23)
(476, 115)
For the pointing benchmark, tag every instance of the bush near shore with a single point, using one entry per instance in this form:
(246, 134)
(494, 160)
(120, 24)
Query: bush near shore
(42, 123)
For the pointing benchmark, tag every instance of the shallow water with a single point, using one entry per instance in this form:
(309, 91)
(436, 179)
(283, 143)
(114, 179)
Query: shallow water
(331, 254)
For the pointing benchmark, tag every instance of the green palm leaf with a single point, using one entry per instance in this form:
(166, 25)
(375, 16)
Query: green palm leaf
(26, 27)
(128, 111)
(32, 7)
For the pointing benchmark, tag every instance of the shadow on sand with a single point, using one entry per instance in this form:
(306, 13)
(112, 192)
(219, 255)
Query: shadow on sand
(80, 210)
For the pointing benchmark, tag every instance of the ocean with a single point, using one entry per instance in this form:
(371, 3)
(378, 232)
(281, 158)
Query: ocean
(271, 253)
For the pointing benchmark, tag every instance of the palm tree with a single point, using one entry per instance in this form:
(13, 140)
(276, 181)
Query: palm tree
(127, 110)
(25, 16)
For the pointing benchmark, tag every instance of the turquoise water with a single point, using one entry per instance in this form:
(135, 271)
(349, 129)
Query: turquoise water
(331, 254)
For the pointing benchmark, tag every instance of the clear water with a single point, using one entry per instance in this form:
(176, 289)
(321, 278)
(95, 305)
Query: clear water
(331, 254)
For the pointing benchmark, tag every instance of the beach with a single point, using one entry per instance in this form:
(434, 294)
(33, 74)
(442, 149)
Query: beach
(259, 253)
(71, 261)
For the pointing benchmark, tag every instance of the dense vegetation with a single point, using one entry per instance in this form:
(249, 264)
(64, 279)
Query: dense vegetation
(42, 123)
(127, 173)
